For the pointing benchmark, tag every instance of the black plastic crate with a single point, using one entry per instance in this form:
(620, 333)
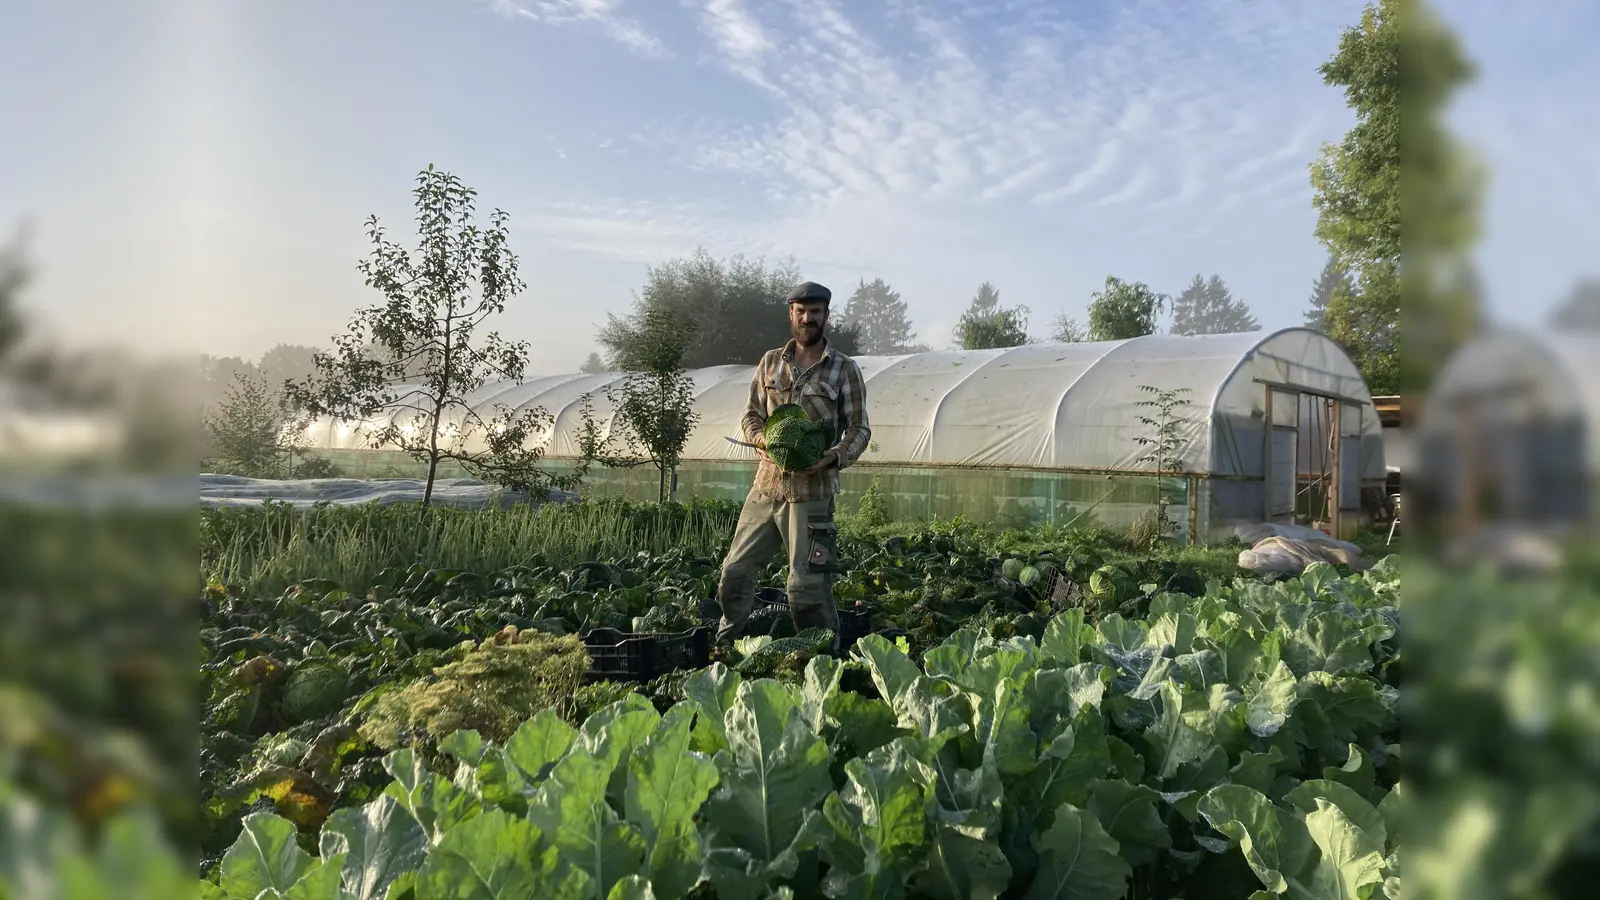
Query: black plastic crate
(625, 656)
(853, 624)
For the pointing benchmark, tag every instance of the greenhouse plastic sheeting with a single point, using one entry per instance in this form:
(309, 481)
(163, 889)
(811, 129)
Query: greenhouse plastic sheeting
(1512, 417)
(1044, 406)
(1522, 375)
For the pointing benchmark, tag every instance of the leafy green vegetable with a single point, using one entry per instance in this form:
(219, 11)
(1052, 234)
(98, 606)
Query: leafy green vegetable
(793, 441)
(996, 741)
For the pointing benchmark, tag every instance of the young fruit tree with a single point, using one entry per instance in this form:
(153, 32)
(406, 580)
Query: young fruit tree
(1164, 447)
(412, 361)
(653, 403)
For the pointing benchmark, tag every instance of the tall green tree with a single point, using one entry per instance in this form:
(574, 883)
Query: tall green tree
(880, 319)
(736, 305)
(1124, 310)
(986, 325)
(1398, 56)
(418, 355)
(594, 365)
(1208, 307)
(1332, 282)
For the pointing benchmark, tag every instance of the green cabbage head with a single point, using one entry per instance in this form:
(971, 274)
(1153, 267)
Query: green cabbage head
(793, 441)
(315, 690)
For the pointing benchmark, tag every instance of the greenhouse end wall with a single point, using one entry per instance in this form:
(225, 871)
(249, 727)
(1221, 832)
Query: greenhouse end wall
(1005, 498)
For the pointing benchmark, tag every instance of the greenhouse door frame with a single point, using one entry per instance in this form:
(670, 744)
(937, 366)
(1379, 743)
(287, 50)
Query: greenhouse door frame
(1329, 465)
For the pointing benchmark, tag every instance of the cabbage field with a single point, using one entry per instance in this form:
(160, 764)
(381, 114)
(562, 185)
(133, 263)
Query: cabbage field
(1050, 714)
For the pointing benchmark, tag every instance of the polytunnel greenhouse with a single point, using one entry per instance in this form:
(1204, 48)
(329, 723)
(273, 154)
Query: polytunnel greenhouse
(1272, 427)
(1507, 431)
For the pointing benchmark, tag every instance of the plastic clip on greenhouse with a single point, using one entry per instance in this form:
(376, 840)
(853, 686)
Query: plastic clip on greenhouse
(1034, 434)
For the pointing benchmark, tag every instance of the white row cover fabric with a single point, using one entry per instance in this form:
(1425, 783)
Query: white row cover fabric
(237, 490)
(1045, 405)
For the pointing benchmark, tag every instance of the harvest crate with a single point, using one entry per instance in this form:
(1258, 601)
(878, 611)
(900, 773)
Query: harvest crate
(624, 656)
(853, 624)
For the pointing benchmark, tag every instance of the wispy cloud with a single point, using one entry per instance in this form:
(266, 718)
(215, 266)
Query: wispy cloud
(930, 141)
(952, 108)
(740, 40)
(603, 15)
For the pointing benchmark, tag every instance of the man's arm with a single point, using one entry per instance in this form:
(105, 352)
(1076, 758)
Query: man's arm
(755, 409)
(855, 436)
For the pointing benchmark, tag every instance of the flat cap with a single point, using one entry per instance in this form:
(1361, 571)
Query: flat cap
(809, 290)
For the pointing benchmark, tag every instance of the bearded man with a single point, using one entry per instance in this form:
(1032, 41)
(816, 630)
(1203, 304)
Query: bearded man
(795, 510)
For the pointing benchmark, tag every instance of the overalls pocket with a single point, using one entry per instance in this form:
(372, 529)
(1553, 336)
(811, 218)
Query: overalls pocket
(822, 550)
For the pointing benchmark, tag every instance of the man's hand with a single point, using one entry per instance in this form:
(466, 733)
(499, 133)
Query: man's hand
(761, 449)
(828, 459)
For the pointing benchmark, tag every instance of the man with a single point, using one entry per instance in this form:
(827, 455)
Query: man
(794, 510)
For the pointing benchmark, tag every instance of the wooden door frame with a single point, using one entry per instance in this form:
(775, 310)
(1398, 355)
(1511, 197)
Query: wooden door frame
(1333, 410)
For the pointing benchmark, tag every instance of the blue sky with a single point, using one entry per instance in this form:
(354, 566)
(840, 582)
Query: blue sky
(197, 174)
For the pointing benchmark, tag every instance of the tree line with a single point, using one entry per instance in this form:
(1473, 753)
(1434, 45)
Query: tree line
(727, 310)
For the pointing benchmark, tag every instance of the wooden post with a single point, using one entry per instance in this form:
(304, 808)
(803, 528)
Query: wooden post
(1266, 460)
(1335, 444)
(1194, 509)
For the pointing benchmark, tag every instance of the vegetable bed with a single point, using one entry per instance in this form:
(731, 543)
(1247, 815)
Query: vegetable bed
(1080, 730)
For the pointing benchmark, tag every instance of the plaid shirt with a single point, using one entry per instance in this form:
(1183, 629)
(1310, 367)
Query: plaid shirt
(832, 392)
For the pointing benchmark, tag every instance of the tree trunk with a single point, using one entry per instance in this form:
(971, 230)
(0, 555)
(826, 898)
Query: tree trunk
(433, 467)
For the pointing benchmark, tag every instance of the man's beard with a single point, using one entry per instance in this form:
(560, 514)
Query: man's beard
(803, 337)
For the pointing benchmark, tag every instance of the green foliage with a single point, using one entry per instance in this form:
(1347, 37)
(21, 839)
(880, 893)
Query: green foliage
(653, 404)
(736, 306)
(254, 433)
(417, 356)
(1124, 310)
(247, 431)
(395, 633)
(873, 510)
(1238, 739)
(44, 853)
(1399, 56)
(986, 326)
(263, 550)
(1207, 307)
(1163, 446)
